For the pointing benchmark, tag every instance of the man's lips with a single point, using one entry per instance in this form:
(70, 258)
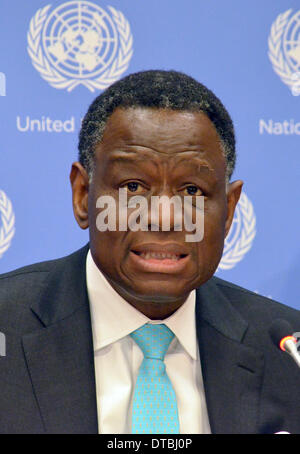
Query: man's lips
(160, 258)
(160, 248)
(158, 255)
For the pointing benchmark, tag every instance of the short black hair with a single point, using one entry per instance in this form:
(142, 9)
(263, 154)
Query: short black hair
(155, 89)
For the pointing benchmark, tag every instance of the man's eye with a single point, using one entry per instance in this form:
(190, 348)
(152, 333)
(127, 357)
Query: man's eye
(192, 190)
(133, 186)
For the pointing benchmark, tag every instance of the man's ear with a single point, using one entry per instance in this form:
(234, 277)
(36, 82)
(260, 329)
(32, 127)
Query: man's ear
(80, 189)
(234, 190)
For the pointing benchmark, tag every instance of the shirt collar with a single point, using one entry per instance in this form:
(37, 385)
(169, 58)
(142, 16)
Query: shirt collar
(114, 318)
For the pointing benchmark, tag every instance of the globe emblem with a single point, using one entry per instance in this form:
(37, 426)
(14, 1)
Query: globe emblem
(78, 43)
(284, 49)
(241, 234)
(291, 42)
(80, 39)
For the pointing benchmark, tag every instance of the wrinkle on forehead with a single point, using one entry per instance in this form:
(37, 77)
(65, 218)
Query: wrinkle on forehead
(173, 164)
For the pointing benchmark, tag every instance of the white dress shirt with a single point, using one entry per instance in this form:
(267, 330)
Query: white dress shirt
(118, 358)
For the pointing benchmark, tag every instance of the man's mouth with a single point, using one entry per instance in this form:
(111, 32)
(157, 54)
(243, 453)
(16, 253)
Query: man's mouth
(159, 255)
(159, 258)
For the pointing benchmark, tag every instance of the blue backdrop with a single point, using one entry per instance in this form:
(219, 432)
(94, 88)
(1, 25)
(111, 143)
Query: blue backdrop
(57, 56)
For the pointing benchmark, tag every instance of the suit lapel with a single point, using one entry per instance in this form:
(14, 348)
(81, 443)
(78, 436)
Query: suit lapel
(232, 371)
(60, 355)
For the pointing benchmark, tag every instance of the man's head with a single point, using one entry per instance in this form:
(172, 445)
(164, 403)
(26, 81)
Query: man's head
(156, 134)
(158, 90)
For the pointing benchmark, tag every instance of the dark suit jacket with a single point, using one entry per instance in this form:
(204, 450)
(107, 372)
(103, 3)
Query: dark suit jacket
(47, 378)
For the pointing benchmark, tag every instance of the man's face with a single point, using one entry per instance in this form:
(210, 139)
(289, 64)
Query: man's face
(154, 153)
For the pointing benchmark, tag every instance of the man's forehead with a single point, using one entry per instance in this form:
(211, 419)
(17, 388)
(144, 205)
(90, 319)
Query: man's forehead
(120, 162)
(188, 159)
(161, 130)
(157, 116)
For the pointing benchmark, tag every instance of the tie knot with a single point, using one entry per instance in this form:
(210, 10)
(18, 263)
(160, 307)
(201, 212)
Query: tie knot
(153, 340)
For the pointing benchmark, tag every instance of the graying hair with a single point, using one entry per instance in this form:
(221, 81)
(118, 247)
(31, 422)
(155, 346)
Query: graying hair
(155, 89)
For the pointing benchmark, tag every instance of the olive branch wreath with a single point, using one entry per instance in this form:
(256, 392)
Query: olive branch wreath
(248, 232)
(7, 229)
(55, 79)
(280, 65)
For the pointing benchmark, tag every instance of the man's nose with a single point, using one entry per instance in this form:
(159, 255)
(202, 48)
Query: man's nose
(165, 212)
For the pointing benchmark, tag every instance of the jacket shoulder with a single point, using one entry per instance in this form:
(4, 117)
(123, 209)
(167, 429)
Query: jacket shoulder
(252, 305)
(24, 284)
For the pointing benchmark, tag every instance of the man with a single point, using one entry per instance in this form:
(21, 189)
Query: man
(72, 363)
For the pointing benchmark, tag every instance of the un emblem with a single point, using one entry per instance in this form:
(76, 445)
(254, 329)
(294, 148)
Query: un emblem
(241, 234)
(79, 43)
(284, 49)
(7, 223)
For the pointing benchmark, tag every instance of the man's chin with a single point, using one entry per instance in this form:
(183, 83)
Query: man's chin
(158, 291)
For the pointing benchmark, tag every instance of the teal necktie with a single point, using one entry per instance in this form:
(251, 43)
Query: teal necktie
(154, 407)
